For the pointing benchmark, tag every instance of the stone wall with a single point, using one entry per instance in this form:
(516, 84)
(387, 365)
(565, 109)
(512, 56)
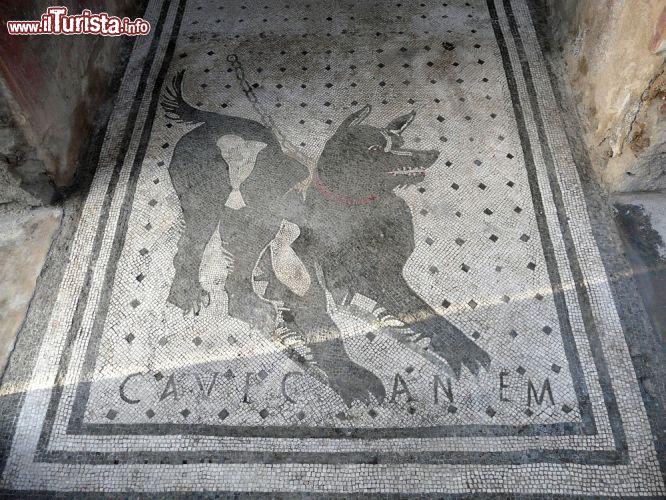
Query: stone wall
(23, 179)
(614, 56)
(54, 89)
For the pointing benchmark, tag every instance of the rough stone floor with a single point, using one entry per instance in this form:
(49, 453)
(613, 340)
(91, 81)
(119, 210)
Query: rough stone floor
(332, 247)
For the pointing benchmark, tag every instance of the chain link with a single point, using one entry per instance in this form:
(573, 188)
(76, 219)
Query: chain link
(267, 120)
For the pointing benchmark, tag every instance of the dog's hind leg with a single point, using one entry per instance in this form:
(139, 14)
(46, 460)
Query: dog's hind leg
(352, 382)
(201, 193)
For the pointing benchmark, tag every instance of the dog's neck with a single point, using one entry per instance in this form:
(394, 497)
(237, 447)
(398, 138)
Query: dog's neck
(330, 193)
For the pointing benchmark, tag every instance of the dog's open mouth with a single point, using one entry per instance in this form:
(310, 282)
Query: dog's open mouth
(407, 171)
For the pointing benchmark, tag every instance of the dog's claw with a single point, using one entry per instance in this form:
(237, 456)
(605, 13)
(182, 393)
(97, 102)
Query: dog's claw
(205, 294)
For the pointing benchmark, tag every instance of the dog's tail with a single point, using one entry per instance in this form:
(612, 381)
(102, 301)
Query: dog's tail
(177, 109)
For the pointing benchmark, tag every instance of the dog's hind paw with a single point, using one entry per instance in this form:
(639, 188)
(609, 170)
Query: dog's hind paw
(188, 295)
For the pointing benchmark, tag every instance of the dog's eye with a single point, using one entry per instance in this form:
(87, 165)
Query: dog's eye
(375, 147)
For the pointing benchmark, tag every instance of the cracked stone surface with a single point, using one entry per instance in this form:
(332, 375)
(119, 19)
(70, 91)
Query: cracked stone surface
(24, 239)
(331, 248)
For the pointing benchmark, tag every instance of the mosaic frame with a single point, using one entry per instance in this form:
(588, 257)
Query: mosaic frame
(631, 462)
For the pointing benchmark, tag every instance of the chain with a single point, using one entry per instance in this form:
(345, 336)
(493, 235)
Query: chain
(267, 120)
(293, 341)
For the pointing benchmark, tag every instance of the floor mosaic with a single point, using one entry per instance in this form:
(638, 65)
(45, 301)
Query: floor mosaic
(335, 247)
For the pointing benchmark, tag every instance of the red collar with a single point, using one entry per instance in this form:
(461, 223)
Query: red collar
(344, 200)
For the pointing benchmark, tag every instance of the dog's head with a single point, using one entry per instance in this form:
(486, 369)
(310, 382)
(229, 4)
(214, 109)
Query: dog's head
(363, 156)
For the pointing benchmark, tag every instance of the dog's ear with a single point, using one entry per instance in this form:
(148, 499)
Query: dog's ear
(398, 125)
(356, 118)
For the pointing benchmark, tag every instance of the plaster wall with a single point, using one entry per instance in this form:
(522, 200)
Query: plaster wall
(614, 62)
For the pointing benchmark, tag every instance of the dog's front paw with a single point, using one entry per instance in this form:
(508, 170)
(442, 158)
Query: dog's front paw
(355, 383)
(188, 294)
(456, 348)
(351, 381)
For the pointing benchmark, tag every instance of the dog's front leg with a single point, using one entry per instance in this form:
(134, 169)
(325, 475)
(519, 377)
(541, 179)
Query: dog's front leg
(449, 343)
(309, 318)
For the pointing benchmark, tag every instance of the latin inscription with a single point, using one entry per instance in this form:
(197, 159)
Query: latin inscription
(203, 384)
